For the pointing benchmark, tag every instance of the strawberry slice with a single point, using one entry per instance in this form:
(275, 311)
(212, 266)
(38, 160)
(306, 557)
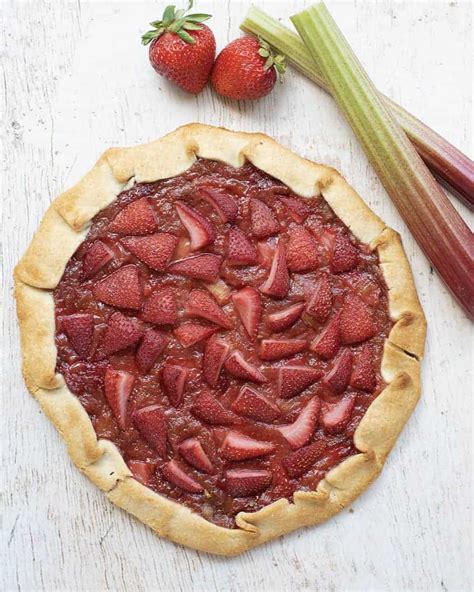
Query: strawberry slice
(319, 306)
(200, 267)
(239, 367)
(189, 334)
(344, 255)
(255, 406)
(201, 231)
(79, 329)
(177, 476)
(262, 219)
(154, 250)
(136, 218)
(202, 304)
(265, 253)
(282, 319)
(160, 307)
(193, 452)
(174, 380)
(339, 376)
(151, 422)
(356, 322)
(327, 343)
(299, 462)
(293, 380)
(248, 304)
(209, 409)
(245, 482)
(97, 255)
(298, 433)
(121, 332)
(215, 353)
(363, 374)
(276, 349)
(240, 250)
(278, 280)
(118, 386)
(301, 251)
(334, 417)
(150, 348)
(121, 288)
(298, 210)
(239, 447)
(225, 205)
(142, 471)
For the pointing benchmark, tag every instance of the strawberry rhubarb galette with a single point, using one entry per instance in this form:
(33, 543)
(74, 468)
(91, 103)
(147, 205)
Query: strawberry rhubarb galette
(224, 334)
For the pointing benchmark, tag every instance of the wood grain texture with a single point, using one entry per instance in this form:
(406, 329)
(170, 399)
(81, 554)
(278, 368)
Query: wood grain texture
(75, 81)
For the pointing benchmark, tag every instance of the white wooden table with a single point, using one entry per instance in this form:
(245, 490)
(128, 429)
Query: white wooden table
(77, 81)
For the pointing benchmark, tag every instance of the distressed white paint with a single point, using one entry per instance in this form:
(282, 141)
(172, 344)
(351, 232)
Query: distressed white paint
(76, 80)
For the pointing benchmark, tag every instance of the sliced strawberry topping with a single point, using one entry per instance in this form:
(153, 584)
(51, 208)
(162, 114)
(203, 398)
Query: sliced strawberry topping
(363, 373)
(281, 320)
(293, 380)
(276, 349)
(240, 250)
(262, 219)
(255, 406)
(301, 251)
(121, 288)
(201, 304)
(155, 250)
(189, 334)
(193, 452)
(339, 376)
(356, 320)
(239, 447)
(248, 304)
(344, 255)
(327, 343)
(177, 476)
(319, 306)
(174, 380)
(121, 332)
(142, 471)
(160, 307)
(335, 417)
(151, 422)
(210, 410)
(136, 218)
(298, 210)
(215, 353)
(298, 433)
(151, 346)
(278, 280)
(239, 367)
(224, 204)
(118, 386)
(95, 258)
(265, 253)
(245, 482)
(299, 462)
(201, 231)
(79, 329)
(220, 290)
(200, 267)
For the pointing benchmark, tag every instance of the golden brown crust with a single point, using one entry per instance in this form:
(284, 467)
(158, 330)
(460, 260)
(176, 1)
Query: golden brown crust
(42, 267)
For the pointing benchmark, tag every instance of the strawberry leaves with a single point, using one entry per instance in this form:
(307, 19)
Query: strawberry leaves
(176, 21)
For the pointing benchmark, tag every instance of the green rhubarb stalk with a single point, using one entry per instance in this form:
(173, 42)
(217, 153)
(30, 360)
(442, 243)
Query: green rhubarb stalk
(453, 168)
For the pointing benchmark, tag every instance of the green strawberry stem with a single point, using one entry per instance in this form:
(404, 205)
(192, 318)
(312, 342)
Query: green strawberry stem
(176, 21)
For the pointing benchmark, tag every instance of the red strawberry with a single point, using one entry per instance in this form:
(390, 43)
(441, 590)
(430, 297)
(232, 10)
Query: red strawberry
(160, 307)
(265, 253)
(153, 343)
(151, 422)
(118, 386)
(177, 476)
(339, 376)
(224, 204)
(363, 374)
(335, 417)
(298, 433)
(136, 218)
(193, 452)
(189, 334)
(327, 343)
(201, 231)
(356, 320)
(344, 255)
(293, 380)
(182, 49)
(155, 250)
(326, 238)
(174, 380)
(240, 250)
(200, 267)
(239, 447)
(262, 219)
(142, 471)
(245, 482)
(246, 69)
(278, 280)
(201, 304)
(299, 211)
(319, 306)
(207, 408)
(276, 349)
(121, 288)
(282, 319)
(239, 367)
(299, 462)
(215, 353)
(79, 329)
(255, 406)
(121, 332)
(248, 304)
(301, 251)
(95, 258)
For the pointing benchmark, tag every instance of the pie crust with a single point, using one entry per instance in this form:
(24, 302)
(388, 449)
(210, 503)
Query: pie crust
(62, 230)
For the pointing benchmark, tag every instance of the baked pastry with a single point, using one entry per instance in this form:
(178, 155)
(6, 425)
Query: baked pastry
(224, 334)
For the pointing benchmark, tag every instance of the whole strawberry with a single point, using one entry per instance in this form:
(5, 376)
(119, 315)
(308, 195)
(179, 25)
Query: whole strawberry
(246, 69)
(184, 58)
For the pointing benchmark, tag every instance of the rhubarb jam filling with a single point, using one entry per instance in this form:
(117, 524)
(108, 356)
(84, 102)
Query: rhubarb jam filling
(225, 334)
